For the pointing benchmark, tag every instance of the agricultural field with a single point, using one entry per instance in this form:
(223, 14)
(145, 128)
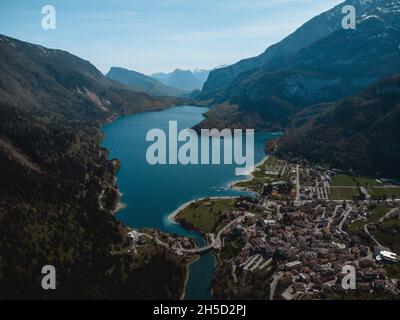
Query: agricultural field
(384, 191)
(366, 182)
(343, 193)
(346, 180)
(342, 180)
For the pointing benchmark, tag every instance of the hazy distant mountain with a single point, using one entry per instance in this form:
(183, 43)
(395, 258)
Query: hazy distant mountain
(315, 29)
(52, 172)
(183, 79)
(201, 74)
(341, 64)
(141, 82)
(361, 133)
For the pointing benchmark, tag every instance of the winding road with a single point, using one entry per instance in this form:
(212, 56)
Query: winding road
(274, 282)
(345, 215)
(217, 241)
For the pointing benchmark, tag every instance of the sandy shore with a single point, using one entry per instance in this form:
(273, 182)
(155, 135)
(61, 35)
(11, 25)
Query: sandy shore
(250, 177)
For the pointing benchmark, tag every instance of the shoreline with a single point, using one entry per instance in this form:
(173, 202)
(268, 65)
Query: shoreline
(172, 216)
(250, 177)
(171, 219)
(187, 276)
(120, 205)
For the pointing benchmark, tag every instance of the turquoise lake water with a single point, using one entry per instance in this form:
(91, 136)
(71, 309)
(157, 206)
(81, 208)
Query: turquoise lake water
(151, 193)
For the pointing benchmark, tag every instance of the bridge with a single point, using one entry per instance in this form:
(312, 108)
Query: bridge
(217, 242)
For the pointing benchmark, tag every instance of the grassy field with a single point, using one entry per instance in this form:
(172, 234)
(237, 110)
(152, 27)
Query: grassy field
(389, 192)
(342, 180)
(362, 181)
(388, 234)
(254, 184)
(374, 216)
(206, 215)
(338, 193)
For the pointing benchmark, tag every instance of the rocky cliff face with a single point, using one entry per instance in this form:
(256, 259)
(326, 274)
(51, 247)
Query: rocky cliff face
(312, 31)
(341, 64)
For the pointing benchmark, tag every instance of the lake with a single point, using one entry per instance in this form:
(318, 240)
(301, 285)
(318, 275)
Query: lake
(152, 192)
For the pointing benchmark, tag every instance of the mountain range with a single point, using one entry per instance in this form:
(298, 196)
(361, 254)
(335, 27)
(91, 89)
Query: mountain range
(310, 32)
(335, 93)
(57, 189)
(140, 82)
(178, 83)
(319, 62)
(183, 79)
(359, 133)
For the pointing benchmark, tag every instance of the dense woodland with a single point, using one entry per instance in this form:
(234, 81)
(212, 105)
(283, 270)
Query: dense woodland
(52, 172)
(359, 133)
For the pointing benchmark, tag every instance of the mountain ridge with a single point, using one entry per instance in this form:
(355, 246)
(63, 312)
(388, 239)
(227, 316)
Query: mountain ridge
(307, 34)
(315, 74)
(183, 79)
(58, 191)
(358, 133)
(142, 83)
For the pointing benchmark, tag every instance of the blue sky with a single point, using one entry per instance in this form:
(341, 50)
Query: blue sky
(160, 35)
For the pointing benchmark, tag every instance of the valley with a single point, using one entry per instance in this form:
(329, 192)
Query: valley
(58, 191)
(106, 176)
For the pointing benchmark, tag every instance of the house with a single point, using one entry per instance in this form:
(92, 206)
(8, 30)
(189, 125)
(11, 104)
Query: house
(292, 264)
(387, 256)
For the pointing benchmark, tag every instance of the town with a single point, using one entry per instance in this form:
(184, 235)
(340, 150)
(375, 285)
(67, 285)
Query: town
(295, 239)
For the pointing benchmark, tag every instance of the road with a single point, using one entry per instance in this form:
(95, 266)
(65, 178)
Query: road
(345, 215)
(330, 219)
(365, 191)
(100, 198)
(297, 183)
(372, 237)
(274, 282)
(387, 215)
(217, 241)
